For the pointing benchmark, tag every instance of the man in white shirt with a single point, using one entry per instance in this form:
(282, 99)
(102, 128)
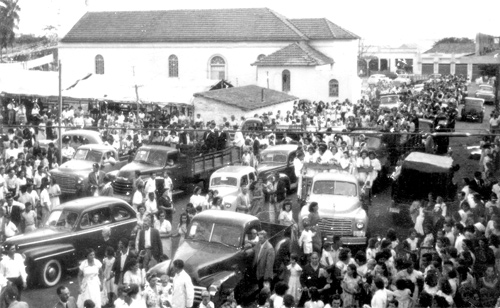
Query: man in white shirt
(151, 183)
(458, 231)
(67, 152)
(239, 140)
(379, 299)
(13, 268)
(183, 290)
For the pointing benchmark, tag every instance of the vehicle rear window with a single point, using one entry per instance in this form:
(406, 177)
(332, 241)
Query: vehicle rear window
(273, 158)
(222, 180)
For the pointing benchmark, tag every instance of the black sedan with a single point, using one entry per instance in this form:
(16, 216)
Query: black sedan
(60, 243)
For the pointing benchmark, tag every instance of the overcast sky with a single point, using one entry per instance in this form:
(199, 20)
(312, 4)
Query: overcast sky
(383, 22)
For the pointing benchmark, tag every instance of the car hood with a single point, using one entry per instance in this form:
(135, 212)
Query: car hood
(128, 171)
(226, 190)
(35, 237)
(265, 167)
(200, 255)
(483, 92)
(334, 205)
(76, 165)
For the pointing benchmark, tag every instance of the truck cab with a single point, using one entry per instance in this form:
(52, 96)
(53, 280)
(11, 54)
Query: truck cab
(228, 182)
(339, 198)
(217, 255)
(72, 176)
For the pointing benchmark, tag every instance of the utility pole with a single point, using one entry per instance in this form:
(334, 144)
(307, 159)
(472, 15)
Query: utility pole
(60, 114)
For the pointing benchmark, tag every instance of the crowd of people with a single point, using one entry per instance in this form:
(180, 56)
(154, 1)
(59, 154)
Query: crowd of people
(450, 258)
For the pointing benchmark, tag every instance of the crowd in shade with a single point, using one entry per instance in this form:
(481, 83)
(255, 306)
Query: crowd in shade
(450, 258)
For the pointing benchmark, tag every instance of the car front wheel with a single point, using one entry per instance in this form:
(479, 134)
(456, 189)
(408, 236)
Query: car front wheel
(50, 273)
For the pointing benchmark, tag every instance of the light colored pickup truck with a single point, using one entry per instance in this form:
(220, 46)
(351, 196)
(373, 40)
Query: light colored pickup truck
(338, 195)
(72, 176)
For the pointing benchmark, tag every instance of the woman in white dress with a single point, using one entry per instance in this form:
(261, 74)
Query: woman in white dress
(45, 200)
(197, 199)
(134, 274)
(90, 280)
(165, 228)
(363, 164)
(54, 193)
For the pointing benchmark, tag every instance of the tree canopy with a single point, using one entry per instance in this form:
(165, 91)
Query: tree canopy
(457, 40)
(9, 20)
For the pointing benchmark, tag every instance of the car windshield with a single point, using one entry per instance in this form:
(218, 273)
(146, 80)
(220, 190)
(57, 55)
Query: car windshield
(273, 157)
(61, 219)
(153, 157)
(224, 181)
(386, 100)
(86, 154)
(204, 231)
(338, 188)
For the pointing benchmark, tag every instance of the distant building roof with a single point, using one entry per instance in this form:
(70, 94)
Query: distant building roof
(216, 25)
(296, 54)
(453, 48)
(322, 28)
(257, 24)
(247, 97)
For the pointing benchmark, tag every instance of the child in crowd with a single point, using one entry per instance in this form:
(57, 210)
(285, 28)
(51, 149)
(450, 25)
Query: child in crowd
(109, 287)
(306, 239)
(294, 278)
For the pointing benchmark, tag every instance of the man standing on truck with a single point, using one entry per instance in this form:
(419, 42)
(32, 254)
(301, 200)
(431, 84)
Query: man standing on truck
(96, 180)
(263, 260)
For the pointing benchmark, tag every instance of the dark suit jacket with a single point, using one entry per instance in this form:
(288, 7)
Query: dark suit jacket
(183, 138)
(71, 303)
(210, 139)
(15, 214)
(117, 270)
(310, 277)
(156, 246)
(280, 190)
(100, 178)
(265, 264)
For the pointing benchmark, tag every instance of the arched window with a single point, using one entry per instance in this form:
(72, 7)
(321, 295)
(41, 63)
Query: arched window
(260, 57)
(217, 68)
(285, 79)
(333, 88)
(173, 66)
(99, 65)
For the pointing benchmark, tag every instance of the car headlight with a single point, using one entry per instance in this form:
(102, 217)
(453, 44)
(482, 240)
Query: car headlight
(360, 225)
(80, 180)
(213, 290)
(227, 205)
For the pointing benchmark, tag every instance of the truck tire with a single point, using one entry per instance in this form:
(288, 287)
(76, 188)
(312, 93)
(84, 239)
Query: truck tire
(50, 273)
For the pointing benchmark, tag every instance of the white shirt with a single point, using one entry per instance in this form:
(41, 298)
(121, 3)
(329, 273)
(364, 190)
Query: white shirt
(379, 299)
(13, 267)
(183, 294)
(458, 243)
(151, 206)
(150, 185)
(163, 227)
(147, 238)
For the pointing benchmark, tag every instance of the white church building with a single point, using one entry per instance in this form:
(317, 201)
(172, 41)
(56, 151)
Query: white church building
(307, 58)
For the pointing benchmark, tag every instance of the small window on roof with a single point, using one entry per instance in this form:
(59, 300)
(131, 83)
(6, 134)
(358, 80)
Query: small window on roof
(260, 57)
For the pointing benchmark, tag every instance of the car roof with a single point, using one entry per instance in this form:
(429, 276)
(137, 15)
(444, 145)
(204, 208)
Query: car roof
(91, 203)
(235, 169)
(281, 148)
(82, 132)
(97, 147)
(158, 147)
(428, 163)
(335, 176)
(486, 85)
(225, 217)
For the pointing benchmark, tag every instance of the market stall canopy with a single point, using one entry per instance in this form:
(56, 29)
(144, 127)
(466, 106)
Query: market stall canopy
(30, 83)
(159, 91)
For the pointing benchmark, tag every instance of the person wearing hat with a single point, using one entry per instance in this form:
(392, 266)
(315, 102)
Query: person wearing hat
(96, 180)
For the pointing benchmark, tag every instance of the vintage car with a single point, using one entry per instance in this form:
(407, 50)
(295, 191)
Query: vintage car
(228, 181)
(473, 110)
(219, 259)
(419, 175)
(389, 101)
(279, 159)
(76, 138)
(72, 176)
(60, 243)
(339, 198)
(487, 93)
(402, 79)
(434, 78)
(253, 124)
(375, 78)
(184, 168)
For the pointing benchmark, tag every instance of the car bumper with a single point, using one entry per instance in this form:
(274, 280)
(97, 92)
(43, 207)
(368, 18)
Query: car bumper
(352, 240)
